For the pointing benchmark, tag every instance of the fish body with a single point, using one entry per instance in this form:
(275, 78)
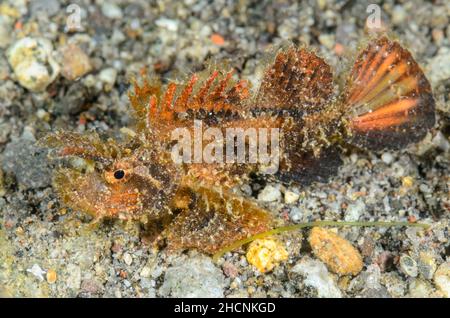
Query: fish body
(386, 103)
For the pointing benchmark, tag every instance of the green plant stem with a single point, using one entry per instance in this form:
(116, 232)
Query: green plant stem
(299, 226)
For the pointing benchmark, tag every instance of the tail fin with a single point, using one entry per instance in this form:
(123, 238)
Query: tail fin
(388, 98)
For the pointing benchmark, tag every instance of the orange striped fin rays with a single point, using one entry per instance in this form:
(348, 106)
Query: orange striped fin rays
(388, 98)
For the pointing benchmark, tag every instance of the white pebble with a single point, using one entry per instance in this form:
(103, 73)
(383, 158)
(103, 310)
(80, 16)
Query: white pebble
(387, 158)
(37, 271)
(32, 62)
(269, 194)
(127, 259)
(291, 197)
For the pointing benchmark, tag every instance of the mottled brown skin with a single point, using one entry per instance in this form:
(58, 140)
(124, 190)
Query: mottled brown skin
(386, 97)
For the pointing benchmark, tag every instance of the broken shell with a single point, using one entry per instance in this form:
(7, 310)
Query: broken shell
(266, 253)
(337, 253)
(32, 62)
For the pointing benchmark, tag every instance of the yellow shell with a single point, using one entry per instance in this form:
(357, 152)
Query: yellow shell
(266, 253)
(337, 253)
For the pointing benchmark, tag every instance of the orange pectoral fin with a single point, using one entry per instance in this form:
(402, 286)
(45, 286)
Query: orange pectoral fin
(388, 98)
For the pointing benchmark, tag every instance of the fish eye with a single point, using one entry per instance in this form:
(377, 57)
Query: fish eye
(119, 174)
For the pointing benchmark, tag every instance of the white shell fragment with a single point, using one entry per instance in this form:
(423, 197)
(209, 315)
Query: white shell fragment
(32, 62)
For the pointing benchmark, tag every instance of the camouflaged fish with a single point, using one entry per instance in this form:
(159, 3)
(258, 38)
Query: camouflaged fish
(386, 103)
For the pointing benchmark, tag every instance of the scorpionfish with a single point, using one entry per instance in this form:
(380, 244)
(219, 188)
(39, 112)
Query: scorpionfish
(386, 102)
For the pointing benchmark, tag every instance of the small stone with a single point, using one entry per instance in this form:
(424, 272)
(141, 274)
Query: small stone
(291, 197)
(387, 158)
(398, 15)
(27, 162)
(171, 25)
(427, 265)
(295, 214)
(266, 253)
(269, 194)
(146, 272)
(317, 276)
(74, 276)
(51, 276)
(193, 277)
(108, 77)
(408, 265)
(47, 7)
(408, 181)
(111, 10)
(337, 253)
(327, 40)
(420, 288)
(439, 66)
(230, 270)
(127, 259)
(442, 278)
(37, 271)
(441, 142)
(355, 210)
(75, 63)
(5, 32)
(32, 62)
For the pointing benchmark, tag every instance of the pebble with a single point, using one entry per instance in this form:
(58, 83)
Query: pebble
(108, 77)
(337, 253)
(295, 214)
(439, 66)
(37, 271)
(5, 32)
(327, 40)
(27, 163)
(75, 63)
(47, 7)
(193, 277)
(269, 194)
(441, 142)
(171, 25)
(398, 15)
(420, 288)
(73, 280)
(354, 211)
(291, 197)
(427, 265)
(145, 272)
(32, 62)
(111, 10)
(51, 276)
(317, 276)
(387, 158)
(407, 181)
(442, 279)
(127, 259)
(266, 254)
(408, 265)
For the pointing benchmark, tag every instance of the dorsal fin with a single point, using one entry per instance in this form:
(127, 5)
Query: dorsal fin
(214, 91)
(297, 81)
(388, 99)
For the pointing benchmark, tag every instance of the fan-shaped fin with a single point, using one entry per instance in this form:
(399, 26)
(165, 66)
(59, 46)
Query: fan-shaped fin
(215, 219)
(298, 81)
(388, 99)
